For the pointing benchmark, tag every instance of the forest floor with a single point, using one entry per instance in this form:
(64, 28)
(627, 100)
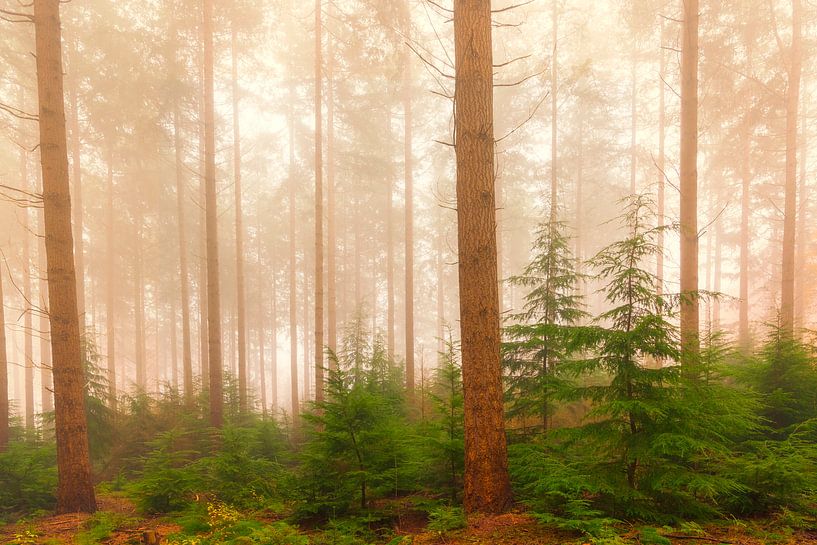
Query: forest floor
(130, 528)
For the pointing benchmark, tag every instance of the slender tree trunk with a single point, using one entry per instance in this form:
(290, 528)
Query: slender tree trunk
(633, 122)
(790, 211)
(184, 277)
(440, 291)
(76, 182)
(213, 296)
(331, 250)
(487, 485)
(274, 345)
(745, 211)
(802, 231)
(661, 160)
(204, 344)
(689, 183)
(28, 340)
(408, 167)
(554, 116)
(389, 257)
(293, 288)
(319, 337)
(174, 348)
(716, 282)
(110, 291)
(139, 308)
(46, 380)
(4, 368)
(239, 233)
(75, 491)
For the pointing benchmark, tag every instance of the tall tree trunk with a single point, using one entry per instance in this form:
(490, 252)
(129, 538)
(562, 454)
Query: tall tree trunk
(745, 211)
(174, 348)
(28, 340)
(440, 290)
(689, 184)
(293, 288)
(408, 167)
(318, 205)
(204, 344)
(4, 368)
(802, 231)
(110, 292)
(633, 122)
(487, 485)
(75, 491)
(790, 211)
(389, 256)
(46, 380)
(211, 197)
(331, 245)
(239, 232)
(76, 182)
(661, 160)
(184, 277)
(139, 308)
(716, 282)
(554, 113)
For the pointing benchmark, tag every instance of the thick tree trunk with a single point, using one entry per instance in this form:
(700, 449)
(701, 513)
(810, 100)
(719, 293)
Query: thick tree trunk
(211, 207)
(487, 485)
(689, 184)
(239, 233)
(318, 348)
(790, 210)
(75, 491)
(4, 375)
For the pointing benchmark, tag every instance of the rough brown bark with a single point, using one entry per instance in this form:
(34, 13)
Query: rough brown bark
(689, 183)
(211, 205)
(487, 485)
(241, 319)
(75, 491)
(790, 210)
(318, 348)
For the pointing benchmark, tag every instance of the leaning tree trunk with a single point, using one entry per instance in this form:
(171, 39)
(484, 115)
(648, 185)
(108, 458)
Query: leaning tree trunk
(487, 485)
(689, 184)
(75, 491)
(790, 210)
(211, 222)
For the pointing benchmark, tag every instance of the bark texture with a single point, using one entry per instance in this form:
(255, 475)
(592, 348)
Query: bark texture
(75, 491)
(487, 486)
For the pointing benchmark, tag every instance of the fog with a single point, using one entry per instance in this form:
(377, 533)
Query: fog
(602, 77)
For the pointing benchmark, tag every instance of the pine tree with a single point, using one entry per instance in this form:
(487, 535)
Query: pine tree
(540, 337)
